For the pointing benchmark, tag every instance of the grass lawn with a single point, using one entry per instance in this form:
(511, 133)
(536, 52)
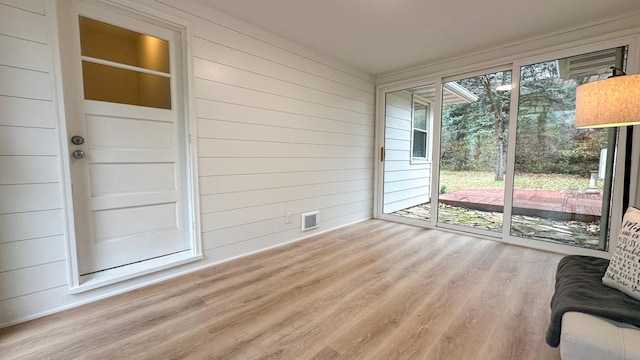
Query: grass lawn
(459, 180)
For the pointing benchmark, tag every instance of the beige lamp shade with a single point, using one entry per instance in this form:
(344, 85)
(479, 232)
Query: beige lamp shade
(611, 102)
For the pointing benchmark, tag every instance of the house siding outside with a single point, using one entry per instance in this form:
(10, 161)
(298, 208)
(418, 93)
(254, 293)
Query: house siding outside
(280, 130)
(405, 184)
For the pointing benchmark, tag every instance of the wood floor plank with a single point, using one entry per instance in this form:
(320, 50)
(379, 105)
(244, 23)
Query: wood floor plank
(313, 279)
(416, 336)
(366, 294)
(373, 290)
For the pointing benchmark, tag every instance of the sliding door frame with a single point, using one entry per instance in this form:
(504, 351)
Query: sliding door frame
(618, 185)
(378, 210)
(633, 66)
(507, 194)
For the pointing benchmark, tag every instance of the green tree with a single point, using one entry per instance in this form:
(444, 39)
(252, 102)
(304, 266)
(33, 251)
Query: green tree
(548, 141)
(475, 134)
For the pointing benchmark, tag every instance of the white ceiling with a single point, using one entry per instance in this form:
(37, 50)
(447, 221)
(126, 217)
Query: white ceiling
(382, 36)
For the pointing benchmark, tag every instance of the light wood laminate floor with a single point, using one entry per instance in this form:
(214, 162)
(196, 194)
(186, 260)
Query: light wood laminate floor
(374, 290)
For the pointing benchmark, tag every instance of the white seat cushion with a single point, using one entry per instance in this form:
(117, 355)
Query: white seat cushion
(586, 337)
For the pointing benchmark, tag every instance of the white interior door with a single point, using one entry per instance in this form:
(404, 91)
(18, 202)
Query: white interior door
(126, 138)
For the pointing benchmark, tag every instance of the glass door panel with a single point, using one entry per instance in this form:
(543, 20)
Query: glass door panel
(407, 152)
(473, 151)
(123, 66)
(563, 175)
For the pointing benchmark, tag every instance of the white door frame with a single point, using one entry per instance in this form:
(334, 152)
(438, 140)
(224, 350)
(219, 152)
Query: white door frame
(75, 283)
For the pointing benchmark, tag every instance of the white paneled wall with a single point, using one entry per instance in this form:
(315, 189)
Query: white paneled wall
(280, 130)
(405, 184)
(32, 248)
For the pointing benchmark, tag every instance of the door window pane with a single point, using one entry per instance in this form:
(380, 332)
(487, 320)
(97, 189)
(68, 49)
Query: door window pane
(108, 42)
(124, 66)
(563, 175)
(112, 84)
(473, 155)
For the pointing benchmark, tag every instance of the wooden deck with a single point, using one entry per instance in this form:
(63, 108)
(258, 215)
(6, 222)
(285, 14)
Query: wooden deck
(558, 205)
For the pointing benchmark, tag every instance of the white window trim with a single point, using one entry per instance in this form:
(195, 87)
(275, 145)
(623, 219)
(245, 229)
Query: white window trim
(429, 130)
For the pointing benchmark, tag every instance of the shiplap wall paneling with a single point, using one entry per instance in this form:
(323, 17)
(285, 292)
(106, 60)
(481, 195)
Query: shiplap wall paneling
(31, 112)
(225, 55)
(279, 132)
(231, 233)
(281, 129)
(240, 37)
(232, 201)
(232, 166)
(24, 54)
(221, 92)
(20, 226)
(238, 113)
(23, 20)
(405, 184)
(32, 248)
(24, 83)
(244, 215)
(26, 253)
(272, 147)
(207, 69)
(234, 183)
(275, 239)
(231, 131)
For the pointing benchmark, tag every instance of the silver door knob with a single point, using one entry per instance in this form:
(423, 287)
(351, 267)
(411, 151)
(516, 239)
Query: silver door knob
(78, 154)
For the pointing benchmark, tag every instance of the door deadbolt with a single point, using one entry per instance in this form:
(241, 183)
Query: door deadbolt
(78, 154)
(77, 140)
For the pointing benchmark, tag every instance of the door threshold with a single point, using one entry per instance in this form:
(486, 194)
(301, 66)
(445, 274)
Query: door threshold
(122, 273)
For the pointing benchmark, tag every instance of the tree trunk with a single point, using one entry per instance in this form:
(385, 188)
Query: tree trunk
(499, 128)
(541, 131)
(499, 161)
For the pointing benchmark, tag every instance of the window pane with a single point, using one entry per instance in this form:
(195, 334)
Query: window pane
(419, 144)
(563, 175)
(113, 43)
(419, 116)
(473, 155)
(107, 83)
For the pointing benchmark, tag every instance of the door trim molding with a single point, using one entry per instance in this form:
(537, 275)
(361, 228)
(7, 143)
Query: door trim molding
(127, 272)
(77, 283)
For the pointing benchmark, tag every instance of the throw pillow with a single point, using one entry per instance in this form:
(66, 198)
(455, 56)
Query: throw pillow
(623, 272)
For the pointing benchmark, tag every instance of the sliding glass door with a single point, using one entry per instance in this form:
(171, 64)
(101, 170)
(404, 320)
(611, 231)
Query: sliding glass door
(498, 154)
(563, 175)
(473, 151)
(407, 153)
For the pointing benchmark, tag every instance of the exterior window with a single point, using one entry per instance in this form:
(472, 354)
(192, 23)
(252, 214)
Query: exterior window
(421, 123)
